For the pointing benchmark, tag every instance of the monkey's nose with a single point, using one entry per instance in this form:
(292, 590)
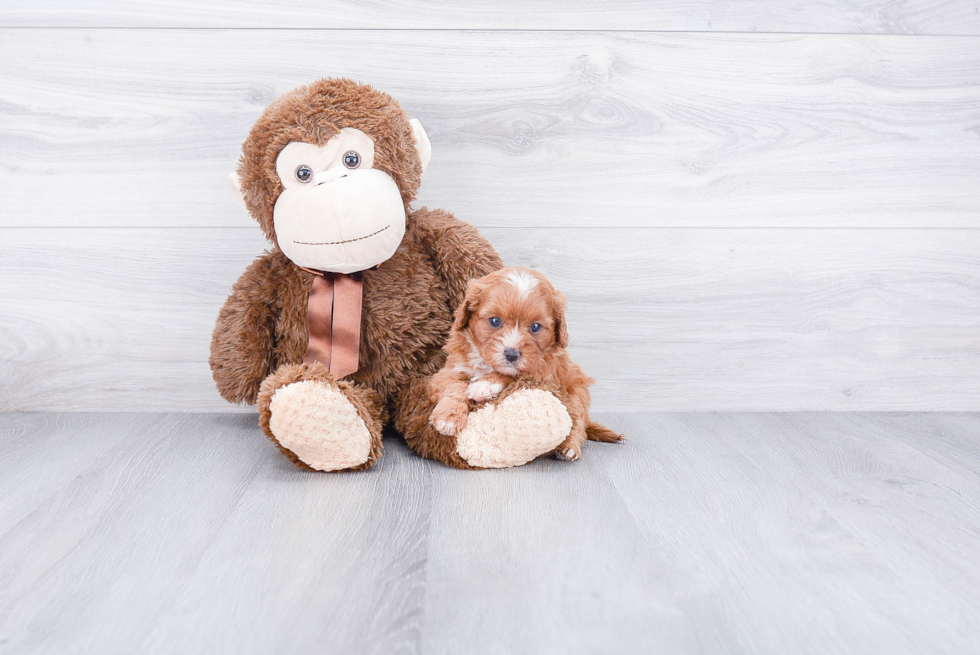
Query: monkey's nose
(330, 175)
(512, 355)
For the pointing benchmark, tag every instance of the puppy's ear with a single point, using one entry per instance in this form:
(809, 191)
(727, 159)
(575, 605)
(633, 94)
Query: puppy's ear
(472, 300)
(558, 312)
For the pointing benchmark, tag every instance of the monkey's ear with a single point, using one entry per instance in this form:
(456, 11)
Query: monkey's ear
(421, 143)
(236, 188)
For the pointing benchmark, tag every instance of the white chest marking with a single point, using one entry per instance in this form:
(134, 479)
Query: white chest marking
(476, 367)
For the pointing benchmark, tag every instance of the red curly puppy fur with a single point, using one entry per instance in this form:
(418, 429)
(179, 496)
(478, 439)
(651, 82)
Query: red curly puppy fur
(510, 328)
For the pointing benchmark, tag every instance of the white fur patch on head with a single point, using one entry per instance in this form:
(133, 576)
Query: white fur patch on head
(523, 281)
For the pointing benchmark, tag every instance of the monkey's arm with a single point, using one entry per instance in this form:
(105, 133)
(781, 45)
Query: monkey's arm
(459, 251)
(244, 335)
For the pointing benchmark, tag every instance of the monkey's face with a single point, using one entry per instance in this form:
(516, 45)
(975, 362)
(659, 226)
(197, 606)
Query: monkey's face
(337, 212)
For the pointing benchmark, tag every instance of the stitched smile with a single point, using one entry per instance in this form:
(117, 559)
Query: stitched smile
(337, 243)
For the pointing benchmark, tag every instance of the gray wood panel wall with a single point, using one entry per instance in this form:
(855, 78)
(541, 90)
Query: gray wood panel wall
(751, 206)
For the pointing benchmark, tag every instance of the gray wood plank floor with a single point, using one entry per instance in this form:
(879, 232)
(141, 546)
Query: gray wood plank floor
(705, 533)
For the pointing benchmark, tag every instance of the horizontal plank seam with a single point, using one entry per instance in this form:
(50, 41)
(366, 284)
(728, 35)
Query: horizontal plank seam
(471, 30)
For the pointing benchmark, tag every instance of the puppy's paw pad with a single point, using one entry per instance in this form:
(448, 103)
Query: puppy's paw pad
(568, 453)
(447, 428)
(449, 417)
(483, 390)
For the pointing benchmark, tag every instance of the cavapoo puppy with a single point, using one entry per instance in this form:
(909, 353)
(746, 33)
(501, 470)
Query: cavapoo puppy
(509, 328)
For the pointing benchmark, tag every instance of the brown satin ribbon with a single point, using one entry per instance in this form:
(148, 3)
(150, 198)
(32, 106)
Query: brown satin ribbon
(334, 315)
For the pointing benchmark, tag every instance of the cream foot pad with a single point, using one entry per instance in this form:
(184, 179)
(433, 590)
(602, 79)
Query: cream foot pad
(320, 425)
(524, 425)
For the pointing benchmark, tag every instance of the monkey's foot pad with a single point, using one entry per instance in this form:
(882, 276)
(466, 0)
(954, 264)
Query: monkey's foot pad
(319, 425)
(522, 426)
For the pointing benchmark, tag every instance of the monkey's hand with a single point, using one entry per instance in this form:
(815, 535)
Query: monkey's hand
(244, 334)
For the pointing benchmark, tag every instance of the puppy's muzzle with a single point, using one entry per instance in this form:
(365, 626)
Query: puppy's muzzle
(512, 355)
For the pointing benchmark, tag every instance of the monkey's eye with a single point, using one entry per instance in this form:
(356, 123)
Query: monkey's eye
(535, 328)
(304, 173)
(352, 159)
(494, 322)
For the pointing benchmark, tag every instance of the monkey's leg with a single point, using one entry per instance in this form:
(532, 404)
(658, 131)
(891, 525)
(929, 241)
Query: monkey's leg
(318, 423)
(521, 425)
(411, 418)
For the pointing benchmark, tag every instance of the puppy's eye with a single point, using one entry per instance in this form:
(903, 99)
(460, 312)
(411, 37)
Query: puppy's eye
(535, 328)
(494, 322)
(304, 173)
(352, 159)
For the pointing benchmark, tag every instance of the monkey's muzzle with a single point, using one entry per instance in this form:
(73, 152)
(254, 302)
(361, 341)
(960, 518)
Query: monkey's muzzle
(345, 221)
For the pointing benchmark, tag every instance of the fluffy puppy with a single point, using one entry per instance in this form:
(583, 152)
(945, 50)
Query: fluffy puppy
(510, 327)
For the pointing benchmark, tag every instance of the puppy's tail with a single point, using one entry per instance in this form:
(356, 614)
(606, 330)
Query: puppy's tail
(596, 432)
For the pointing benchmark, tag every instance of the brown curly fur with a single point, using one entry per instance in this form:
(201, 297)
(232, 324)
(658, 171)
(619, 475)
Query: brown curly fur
(261, 333)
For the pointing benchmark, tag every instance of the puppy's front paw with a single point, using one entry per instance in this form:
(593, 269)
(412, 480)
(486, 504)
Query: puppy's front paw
(568, 452)
(447, 428)
(483, 390)
(449, 417)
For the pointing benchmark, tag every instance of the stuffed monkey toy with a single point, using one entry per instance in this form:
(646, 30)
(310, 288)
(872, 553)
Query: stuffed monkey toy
(336, 330)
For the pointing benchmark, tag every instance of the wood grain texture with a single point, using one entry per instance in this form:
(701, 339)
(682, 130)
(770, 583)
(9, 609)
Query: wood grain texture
(125, 521)
(952, 438)
(66, 445)
(834, 16)
(558, 563)
(338, 563)
(704, 533)
(767, 319)
(140, 127)
(174, 533)
(737, 505)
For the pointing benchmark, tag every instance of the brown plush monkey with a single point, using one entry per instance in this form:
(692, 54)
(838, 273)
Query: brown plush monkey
(336, 330)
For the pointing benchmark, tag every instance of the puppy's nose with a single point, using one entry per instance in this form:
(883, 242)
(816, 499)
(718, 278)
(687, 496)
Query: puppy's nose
(512, 355)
